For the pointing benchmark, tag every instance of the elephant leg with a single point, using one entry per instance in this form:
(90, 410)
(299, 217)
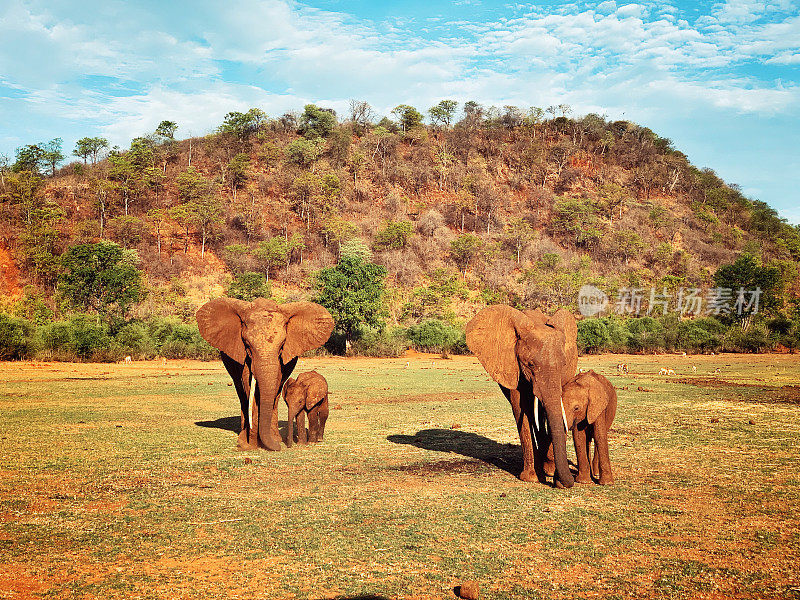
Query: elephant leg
(301, 426)
(290, 427)
(323, 417)
(582, 454)
(595, 465)
(549, 461)
(601, 449)
(241, 383)
(521, 416)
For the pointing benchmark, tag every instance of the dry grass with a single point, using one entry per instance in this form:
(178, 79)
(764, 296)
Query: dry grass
(121, 481)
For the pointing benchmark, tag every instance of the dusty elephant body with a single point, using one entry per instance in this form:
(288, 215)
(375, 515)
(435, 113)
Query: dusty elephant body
(306, 395)
(590, 403)
(529, 355)
(259, 343)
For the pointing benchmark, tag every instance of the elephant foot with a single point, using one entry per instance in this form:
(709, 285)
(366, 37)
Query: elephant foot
(583, 479)
(244, 446)
(271, 444)
(528, 475)
(606, 480)
(549, 469)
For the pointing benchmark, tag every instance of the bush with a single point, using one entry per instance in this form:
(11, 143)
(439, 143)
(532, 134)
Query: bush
(593, 336)
(434, 335)
(174, 339)
(646, 334)
(379, 344)
(87, 336)
(753, 339)
(17, 338)
(134, 339)
(249, 286)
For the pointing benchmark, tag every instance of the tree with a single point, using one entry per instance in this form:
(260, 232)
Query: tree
(316, 122)
(101, 277)
(304, 152)
(248, 286)
(243, 125)
(29, 158)
(90, 146)
(518, 233)
(352, 291)
(408, 116)
(52, 154)
(202, 206)
(272, 254)
(442, 114)
(577, 218)
(361, 116)
(339, 230)
(611, 196)
(158, 218)
(237, 172)
(463, 249)
(394, 235)
(166, 129)
(747, 273)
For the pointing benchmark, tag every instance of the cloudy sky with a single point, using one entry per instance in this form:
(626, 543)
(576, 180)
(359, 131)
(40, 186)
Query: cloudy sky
(720, 79)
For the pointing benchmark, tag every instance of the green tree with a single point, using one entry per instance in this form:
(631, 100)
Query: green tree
(101, 277)
(52, 154)
(408, 116)
(442, 114)
(304, 152)
(394, 235)
(248, 286)
(518, 234)
(747, 273)
(272, 254)
(339, 230)
(577, 218)
(89, 146)
(237, 172)
(29, 158)
(464, 249)
(167, 129)
(316, 122)
(243, 125)
(352, 291)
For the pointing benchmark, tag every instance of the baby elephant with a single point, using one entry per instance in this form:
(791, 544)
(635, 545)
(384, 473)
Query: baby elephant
(590, 403)
(306, 394)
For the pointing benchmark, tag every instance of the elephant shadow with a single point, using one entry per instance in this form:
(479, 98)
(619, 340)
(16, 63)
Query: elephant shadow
(506, 457)
(234, 424)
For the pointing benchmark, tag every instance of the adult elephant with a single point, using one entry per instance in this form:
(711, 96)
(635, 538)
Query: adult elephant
(529, 355)
(259, 343)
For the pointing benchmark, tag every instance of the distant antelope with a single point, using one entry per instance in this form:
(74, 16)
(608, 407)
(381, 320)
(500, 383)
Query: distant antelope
(694, 369)
(622, 368)
(662, 371)
(128, 360)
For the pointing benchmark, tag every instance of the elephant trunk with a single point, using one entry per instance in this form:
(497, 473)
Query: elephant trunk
(551, 398)
(268, 378)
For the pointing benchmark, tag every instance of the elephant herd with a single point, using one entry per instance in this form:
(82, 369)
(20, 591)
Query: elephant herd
(532, 356)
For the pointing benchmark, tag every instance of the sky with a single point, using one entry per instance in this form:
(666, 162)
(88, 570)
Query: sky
(720, 79)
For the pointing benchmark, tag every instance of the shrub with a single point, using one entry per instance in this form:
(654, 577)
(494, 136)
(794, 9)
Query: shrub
(753, 339)
(434, 335)
(87, 336)
(17, 338)
(380, 344)
(134, 339)
(646, 334)
(593, 336)
(249, 286)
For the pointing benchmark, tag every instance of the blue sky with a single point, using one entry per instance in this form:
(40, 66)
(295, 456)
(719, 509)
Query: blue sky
(722, 80)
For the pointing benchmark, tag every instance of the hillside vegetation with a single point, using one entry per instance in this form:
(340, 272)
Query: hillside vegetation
(463, 208)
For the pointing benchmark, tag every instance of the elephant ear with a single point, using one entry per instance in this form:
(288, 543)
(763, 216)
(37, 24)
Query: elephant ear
(600, 392)
(286, 386)
(492, 337)
(565, 322)
(309, 326)
(220, 324)
(537, 316)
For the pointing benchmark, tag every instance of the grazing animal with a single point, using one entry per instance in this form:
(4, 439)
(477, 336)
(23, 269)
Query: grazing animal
(128, 360)
(581, 370)
(662, 371)
(671, 372)
(694, 369)
(622, 368)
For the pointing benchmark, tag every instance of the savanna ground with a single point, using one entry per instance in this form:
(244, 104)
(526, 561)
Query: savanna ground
(121, 481)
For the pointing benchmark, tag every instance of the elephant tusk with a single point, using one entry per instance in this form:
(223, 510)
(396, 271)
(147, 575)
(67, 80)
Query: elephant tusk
(536, 411)
(252, 398)
(564, 415)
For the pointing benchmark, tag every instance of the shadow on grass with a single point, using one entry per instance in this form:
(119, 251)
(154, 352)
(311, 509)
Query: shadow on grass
(233, 424)
(507, 457)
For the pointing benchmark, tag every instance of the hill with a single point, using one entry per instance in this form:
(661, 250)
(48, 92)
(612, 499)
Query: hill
(502, 205)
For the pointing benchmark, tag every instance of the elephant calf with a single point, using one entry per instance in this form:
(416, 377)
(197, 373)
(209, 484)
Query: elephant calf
(590, 403)
(306, 394)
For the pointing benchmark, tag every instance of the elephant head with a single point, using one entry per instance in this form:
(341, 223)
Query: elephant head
(587, 396)
(526, 352)
(267, 336)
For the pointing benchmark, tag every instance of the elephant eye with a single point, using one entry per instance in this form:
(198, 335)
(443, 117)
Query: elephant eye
(576, 408)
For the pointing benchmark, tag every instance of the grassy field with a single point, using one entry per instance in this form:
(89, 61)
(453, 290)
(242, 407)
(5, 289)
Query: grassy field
(122, 481)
